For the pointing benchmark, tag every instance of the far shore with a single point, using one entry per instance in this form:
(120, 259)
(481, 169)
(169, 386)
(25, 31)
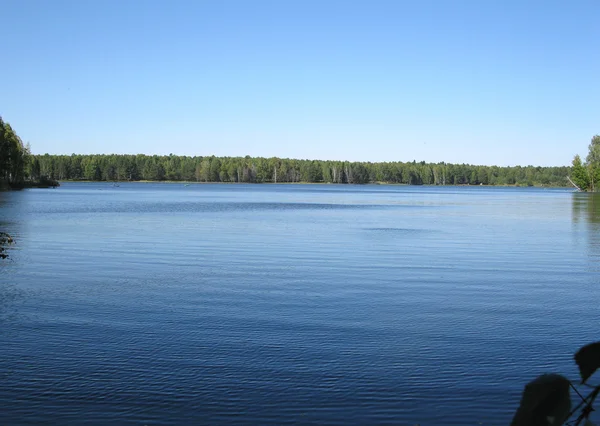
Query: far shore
(305, 183)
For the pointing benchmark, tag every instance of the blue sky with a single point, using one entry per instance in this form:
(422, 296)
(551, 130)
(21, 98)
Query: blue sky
(485, 82)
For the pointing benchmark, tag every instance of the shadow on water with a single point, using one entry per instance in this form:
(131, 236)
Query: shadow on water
(11, 203)
(586, 213)
(10, 295)
(6, 239)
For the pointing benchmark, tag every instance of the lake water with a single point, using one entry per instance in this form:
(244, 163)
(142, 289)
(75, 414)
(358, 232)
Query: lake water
(278, 304)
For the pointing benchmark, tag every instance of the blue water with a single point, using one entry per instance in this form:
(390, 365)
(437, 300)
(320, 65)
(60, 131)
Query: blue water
(279, 304)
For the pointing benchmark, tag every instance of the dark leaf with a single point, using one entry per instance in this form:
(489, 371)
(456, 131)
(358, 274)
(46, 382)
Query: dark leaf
(545, 402)
(588, 360)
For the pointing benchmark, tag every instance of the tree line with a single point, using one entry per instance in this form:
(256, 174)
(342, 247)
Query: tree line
(586, 175)
(247, 169)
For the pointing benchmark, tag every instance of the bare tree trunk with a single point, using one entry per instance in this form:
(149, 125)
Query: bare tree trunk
(573, 183)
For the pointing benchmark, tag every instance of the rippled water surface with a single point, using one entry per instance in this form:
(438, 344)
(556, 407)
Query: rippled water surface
(275, 304)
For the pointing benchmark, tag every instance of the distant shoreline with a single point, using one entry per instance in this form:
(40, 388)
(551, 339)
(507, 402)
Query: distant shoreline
(174, 168)
(183, 182)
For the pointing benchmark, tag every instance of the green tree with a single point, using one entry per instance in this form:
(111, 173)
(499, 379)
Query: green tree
(203, 170)
(580, 176)
(92, 170)
(586, 176)
(34, 169)
(14, 156)
(593, 162)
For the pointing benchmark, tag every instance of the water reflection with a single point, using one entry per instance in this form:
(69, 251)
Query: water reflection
(10, 223)
(7, 227)
(586, 213)
(11, 210)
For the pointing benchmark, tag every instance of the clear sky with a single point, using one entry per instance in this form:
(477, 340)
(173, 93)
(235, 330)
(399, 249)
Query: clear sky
(486, 82)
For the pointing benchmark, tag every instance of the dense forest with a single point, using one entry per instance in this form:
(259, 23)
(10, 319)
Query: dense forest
(259, 170)
(586, 175)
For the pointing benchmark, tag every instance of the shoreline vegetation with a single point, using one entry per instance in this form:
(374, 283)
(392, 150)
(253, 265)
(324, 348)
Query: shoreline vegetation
(211, 169)
(193, 182)
(43, 182)
(586, 175)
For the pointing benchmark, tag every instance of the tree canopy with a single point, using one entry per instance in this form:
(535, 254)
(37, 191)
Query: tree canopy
(114, 167)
